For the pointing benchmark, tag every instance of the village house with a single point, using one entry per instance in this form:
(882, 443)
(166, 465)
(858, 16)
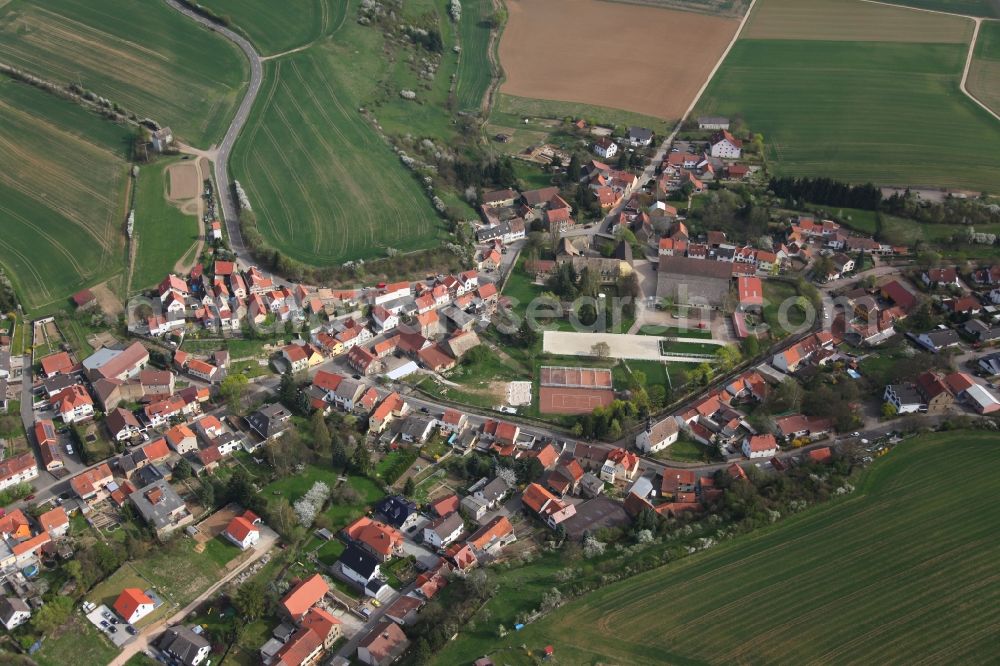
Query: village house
(242, 530)
(383, 645)
(760, 446)
(620, 465)
(547, 506)
(133, 604)
(303, 596)
(657, 437)
(20, 469)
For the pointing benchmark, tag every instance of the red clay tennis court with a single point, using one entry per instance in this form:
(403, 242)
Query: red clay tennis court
(574, 390)
(575, 377)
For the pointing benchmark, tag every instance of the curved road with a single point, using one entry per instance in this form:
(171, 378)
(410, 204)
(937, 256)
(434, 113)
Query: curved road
(221, 162)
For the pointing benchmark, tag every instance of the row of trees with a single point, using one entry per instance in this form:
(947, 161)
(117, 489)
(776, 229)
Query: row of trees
(827, 192)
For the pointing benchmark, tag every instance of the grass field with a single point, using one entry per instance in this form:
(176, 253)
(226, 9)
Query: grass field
(326, 188)
(853, 109)
(163, 233)
(76, 642)
(474, 68)
(275, 27)
(118, 49)
(62, 189)
(984, 75)
(984, 8)
(851, 20)
(865, 579)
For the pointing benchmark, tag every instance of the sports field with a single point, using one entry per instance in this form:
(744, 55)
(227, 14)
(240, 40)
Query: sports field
(163, 232)
(554, 49)
(842, 105)
(901, 571)
(984, 75)
(275, 27)
(62, 189)
(140, 54)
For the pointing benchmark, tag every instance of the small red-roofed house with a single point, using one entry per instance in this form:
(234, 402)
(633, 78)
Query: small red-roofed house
(132, 605)
(303, 596)
(242, 532)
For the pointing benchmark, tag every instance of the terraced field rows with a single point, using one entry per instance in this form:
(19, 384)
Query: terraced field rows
(896, 572)
(61, 194)
(140, 54)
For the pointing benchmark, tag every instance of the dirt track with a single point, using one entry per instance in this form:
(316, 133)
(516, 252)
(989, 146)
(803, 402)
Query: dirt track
(641, 59)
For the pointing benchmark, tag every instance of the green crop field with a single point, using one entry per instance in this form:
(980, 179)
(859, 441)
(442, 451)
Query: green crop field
(62, 189)
(275, 27)
(324, 185)
(861, 110)
(894, 572)
(162, 232)
(143, 55)
(475, 71)
(984, 8)
(984, 75)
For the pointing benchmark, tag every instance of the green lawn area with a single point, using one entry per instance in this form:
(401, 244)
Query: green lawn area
(238, 348)
(116, 48)
(685, 450)
(674, 332)
(688, 348)
(162, 232)
(885, 575)
(520, 287)
(777, 292)
(200, 570)
(395, 463)
(76, 642)
(338, 515)
(531, 175)
(820, 104)
(63, 210)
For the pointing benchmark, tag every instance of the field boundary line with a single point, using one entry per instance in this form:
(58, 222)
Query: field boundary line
(977, 22)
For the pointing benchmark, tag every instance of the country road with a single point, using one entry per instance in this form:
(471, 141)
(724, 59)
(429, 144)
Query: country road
(221, 163)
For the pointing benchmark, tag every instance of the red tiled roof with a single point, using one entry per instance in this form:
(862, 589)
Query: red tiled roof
(129, 600)
(304, 595)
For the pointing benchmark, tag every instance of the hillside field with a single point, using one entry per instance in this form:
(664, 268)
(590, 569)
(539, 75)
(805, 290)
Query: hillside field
(274, 27)
(895, 572)
(62, 194)
(325, 186)
(143, 55)
(475, 71)
(984, 75)
(856, 109)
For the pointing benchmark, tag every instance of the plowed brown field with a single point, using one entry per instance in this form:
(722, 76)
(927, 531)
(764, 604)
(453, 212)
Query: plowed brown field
(641, 59)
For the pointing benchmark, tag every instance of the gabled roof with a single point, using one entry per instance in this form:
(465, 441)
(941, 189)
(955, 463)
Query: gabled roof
(304, 595)
(129, 600)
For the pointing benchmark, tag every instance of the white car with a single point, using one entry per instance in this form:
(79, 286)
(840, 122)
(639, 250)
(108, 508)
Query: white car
(69, 449)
